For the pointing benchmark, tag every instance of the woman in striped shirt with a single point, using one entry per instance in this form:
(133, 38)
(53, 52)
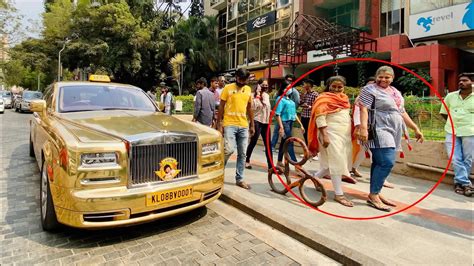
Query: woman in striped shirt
(387, 119)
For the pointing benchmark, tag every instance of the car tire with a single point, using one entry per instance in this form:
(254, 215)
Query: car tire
(49, 221)
(32, 150)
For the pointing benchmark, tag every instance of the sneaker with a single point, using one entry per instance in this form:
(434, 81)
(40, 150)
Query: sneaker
(315, 158)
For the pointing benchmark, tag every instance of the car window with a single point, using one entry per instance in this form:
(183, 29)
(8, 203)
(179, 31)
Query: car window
(32, 95)
(100, 97)
(7, 94)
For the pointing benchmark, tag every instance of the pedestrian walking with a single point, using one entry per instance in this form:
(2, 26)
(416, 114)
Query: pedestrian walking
(460, 104)
(307, 100)
(285, 114)
(383, 121)
(358, 150)
(235, 113)
(294, 95)
(205, 104)
(214, 88)
(330, 134)
(261, 109)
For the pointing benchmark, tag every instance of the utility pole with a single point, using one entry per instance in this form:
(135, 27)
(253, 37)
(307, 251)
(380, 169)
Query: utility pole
(38, 81)
(59, 58)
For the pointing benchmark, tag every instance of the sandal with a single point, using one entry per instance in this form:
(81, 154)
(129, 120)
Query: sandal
(387, 202)
(356, 173)
(458, 189)
(388, 184)
(242, 184)
(343, 201)
(468, 190)
(348, 179)
(378, 205)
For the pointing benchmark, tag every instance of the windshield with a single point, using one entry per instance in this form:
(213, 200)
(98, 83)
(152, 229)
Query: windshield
(7, 94)
(80, 98)
(32, 95)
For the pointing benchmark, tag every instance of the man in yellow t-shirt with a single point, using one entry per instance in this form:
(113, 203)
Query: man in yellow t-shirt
(235, 113)
(461, 108)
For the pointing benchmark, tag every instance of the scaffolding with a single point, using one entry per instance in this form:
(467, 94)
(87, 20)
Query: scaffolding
(310, 33)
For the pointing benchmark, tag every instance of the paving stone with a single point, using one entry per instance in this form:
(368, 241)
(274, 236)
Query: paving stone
(244, 237)
(275, 253)
(172, 253)
(244, 246)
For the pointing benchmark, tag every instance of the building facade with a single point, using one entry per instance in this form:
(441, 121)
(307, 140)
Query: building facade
(434, 35)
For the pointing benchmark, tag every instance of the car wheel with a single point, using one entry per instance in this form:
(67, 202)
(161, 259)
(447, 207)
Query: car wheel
(49, 221)
(32, 151)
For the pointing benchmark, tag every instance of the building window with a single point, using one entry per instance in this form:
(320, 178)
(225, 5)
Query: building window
(282, 3)
(265, 47)
(231, 11)
(254, 51)
(421, 6)
(344, 14)
(392, 18)
(242, 53)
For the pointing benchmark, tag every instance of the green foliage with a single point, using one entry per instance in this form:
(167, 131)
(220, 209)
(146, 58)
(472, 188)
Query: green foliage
(410, 84)
(188, 102)
(127, 39)
(197, 8)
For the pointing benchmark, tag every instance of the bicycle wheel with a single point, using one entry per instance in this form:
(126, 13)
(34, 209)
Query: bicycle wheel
(275, 183)
(319, 187)
(287, 155)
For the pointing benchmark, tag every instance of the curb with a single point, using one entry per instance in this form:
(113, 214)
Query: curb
(319, 242)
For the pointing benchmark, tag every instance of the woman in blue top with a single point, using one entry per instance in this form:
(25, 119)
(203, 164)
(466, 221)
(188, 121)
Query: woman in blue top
(286, 114)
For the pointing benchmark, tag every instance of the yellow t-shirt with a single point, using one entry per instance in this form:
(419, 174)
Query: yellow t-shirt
(235, 112)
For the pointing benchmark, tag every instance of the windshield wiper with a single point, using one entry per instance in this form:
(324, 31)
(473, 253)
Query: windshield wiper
(80, 110)
(117, 108)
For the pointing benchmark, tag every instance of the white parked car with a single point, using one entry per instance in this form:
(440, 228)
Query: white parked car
(2, 106)
(7, 99)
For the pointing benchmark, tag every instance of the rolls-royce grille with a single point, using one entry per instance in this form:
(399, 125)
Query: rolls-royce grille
(145, 161)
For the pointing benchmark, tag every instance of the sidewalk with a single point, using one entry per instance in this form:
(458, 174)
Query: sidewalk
(439, 230)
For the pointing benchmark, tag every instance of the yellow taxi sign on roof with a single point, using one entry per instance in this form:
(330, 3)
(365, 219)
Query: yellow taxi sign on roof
(99, 78)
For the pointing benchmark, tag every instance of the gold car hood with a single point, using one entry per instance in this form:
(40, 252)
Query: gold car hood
(95, 125)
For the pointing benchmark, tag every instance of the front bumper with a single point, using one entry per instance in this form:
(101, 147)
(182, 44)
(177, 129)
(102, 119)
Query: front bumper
(122, 206)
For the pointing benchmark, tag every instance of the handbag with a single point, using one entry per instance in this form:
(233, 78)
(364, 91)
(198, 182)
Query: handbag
(371, 125)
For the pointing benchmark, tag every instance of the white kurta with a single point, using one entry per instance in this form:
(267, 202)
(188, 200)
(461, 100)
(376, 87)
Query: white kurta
(337, 155)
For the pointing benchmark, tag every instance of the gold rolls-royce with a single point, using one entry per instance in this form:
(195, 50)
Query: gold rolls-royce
(109, 158)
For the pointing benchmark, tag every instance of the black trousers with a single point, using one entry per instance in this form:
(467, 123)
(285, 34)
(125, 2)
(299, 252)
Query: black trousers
(260, 130)
(305, 122)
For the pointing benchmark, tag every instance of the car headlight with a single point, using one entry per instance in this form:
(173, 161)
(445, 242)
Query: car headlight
(99, 159)
(210, 148)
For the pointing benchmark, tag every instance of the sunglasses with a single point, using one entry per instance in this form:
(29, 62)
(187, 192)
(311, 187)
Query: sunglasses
(264, 86)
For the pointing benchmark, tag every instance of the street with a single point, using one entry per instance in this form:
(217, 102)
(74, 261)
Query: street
(203, 236)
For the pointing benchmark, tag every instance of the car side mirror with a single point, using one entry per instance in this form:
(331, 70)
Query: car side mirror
(38, 106)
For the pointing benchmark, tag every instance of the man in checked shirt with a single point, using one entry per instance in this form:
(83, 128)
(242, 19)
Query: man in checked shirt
(306, 102)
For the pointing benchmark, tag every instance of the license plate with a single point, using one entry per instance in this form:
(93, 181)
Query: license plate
(161, 197)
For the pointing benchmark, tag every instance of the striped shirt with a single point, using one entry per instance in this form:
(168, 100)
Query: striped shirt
(308, 98)
(385, 114)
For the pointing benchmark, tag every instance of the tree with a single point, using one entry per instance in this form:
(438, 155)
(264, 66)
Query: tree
(197, 9)
(413, 85)
(10, 21)
(197, 39)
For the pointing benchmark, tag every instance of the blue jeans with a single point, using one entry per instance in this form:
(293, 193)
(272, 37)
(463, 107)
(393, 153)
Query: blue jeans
(287, 126)
(236, 137)
(462, 157)
(275, 136)
(383, 160)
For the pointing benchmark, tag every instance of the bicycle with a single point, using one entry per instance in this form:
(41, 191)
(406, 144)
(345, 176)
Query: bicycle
(318, 185)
